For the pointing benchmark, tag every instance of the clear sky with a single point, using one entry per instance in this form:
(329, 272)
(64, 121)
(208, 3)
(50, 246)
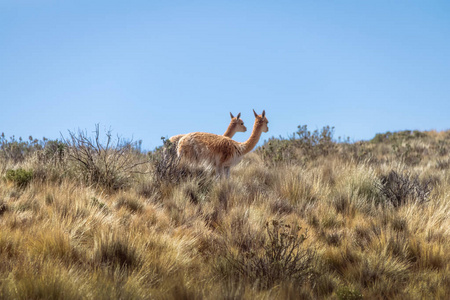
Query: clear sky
(148, 69)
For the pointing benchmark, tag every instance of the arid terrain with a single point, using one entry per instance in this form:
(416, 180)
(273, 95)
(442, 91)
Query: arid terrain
(308, 216)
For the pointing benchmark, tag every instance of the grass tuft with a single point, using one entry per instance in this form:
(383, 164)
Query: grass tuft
(114, 252)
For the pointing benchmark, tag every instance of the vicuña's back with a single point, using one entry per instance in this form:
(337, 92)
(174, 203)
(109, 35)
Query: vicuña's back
(219, 151)
(236, 125)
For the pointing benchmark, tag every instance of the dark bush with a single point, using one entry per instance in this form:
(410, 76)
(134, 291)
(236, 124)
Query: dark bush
(3, 207)
(116, 252)
(279, 258)
(399, 189)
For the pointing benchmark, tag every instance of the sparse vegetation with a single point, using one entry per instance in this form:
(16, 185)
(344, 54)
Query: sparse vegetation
(302, 146)
(109, 165)
(303, 217)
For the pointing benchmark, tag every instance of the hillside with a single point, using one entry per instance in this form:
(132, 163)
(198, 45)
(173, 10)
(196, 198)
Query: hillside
(302, 217)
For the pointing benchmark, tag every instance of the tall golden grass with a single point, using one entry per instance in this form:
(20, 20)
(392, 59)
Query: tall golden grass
(296, 220)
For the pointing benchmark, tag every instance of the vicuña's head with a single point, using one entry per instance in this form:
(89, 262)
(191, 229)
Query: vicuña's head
(237, 123)
(261, 120)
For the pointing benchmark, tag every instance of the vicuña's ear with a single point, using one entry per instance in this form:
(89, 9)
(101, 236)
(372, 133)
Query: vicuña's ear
(238, 116)
(231, 115)
(263, 114)
(256, 115)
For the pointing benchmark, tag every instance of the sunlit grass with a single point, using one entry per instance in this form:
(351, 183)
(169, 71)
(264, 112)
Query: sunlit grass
(199, 237)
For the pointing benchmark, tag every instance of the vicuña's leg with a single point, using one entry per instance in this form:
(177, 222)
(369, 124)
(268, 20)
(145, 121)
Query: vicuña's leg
(219, 171)
(227, 172)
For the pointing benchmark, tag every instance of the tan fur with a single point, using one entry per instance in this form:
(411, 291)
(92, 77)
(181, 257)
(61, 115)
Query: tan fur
(219, 151)
(174, 139)
(236, 125)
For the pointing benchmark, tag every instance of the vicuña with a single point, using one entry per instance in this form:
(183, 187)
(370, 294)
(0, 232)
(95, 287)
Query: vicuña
(219, 151)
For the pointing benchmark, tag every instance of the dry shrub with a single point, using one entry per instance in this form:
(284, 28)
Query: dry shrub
(399, 189)
(17, 150)
(279, 258)
(108, 165)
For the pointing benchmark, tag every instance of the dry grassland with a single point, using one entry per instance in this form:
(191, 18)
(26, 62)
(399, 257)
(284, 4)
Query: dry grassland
(301, 218)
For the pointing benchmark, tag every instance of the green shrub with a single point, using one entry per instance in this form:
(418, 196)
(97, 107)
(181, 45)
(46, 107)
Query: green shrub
(347, 293)
(398, 136)
(303, 144)
(19, 177)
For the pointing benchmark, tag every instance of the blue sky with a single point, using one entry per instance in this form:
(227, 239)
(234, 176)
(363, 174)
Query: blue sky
(148, 69)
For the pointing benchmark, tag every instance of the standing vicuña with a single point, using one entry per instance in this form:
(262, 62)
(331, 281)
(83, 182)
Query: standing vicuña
(236, 125)
(219, 151)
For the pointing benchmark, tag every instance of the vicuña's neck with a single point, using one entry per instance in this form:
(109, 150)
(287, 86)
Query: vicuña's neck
(253, 139)
(231, 130)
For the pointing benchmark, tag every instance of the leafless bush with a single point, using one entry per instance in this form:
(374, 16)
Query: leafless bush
(398, 189)
(109, 165)
(279, 258)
